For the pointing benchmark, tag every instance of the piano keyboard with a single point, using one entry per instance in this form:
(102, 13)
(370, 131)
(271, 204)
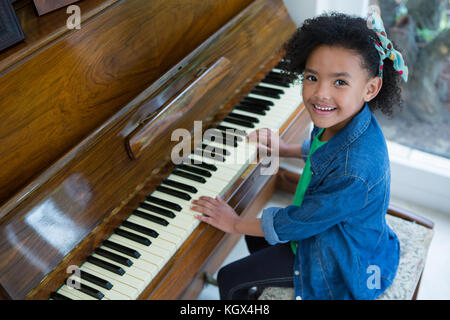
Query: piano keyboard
(123, 265)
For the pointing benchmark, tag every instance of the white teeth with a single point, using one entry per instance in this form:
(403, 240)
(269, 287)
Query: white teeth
(323, 109)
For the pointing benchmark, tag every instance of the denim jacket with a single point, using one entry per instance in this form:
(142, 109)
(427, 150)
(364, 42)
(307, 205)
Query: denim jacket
(345, 248)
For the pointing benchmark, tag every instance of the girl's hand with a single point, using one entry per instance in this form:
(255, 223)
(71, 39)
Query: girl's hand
(216, 212)
(267, 140)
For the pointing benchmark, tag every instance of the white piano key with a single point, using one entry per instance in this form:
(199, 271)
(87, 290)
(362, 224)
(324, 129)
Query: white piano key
(125, 278)
(172, 236)
(120, 286)
(243, 152)
(200, 158)
(145, 256)
(180, 220)
(74, 294)
(221, 169)
(237, 127)
(184, 204)
(158, 252)
(292, 92)
(169, 232)
(269, 119)
(212, 178)
(159, 242)
(203, 188)
(110, 294)
(176, 239)
(272, 118)
(280, 104)
(232, 133)
(218, 175)
(241, 155)
(137, 262)
(138, 274)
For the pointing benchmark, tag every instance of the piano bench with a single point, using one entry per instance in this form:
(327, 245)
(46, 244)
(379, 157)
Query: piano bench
(415, 234)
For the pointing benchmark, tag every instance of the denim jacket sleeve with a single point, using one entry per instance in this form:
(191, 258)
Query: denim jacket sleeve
(333, 202)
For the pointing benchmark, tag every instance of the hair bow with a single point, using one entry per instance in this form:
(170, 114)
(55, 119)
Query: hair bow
(385, 47)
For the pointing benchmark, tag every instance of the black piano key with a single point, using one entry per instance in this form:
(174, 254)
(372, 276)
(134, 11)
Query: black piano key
(259, 101)
(207, 154)
(199, 171)
(275, 82)
(180, 185)
(150, 217)
(175, 193)
(225, 141)
(123, 249)
(90, 291)
(215, 149)
(106, 265)
(95, 280)
(233, 130)
(133, 237)
(204, 165)
(164, 203)
(115, 257)
(277, 76)
(251, 110)
(58, 296)
(231, 135)
(220, 137)
(257, 106)
(186, 175)
(243, 117)
(161, 211)
(131, 225)
(265, 93)
(239, 122)
(271, 90)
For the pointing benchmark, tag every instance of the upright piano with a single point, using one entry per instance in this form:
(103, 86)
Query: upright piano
(92, 203)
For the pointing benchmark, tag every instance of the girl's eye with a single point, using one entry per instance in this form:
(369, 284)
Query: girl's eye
(340, 83)
(310, 78)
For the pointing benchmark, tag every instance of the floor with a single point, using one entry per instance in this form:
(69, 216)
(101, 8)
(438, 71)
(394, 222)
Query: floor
(436, 277)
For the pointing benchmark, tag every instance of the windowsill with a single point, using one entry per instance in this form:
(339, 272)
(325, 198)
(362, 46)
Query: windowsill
(419, 177)
(416, 177)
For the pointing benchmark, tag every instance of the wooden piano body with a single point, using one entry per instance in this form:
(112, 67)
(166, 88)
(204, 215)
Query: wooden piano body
(86, 122)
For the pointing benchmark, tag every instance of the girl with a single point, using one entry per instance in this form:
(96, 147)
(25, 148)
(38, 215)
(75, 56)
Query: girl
(333, 241)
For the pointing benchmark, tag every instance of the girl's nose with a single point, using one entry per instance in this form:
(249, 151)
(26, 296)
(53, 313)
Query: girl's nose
(322, 91)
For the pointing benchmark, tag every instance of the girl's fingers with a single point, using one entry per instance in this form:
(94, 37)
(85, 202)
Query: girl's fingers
(204, 210)
(205, 202)
(206, 219)
(218, 198)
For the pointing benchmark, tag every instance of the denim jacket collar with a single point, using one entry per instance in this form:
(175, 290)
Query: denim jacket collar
(352, 130)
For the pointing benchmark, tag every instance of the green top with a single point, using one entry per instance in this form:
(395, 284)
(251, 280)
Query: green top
(305, 179)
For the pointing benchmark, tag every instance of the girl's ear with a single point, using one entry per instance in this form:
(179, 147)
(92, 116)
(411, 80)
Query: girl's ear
(373, 86)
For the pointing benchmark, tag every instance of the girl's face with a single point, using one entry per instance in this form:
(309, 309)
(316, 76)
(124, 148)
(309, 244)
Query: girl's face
(335, 87)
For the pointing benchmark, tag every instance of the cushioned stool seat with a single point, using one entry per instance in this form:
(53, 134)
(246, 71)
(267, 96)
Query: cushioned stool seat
(414, 240)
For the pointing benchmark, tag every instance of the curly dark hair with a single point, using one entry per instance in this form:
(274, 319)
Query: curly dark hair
(349, 32)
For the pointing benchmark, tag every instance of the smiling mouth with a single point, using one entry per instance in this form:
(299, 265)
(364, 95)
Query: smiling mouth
(323, 109)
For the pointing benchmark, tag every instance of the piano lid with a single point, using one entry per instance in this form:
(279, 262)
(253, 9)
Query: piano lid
(57, 93)
(61, 210)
